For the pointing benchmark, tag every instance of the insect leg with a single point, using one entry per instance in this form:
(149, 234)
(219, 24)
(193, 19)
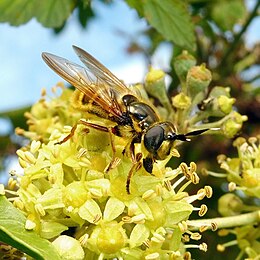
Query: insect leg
(73, 129)
(115, 160)
(148, 163)
(135, 167)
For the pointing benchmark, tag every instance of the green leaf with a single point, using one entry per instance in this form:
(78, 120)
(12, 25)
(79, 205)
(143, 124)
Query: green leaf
(16, 12)
(12, 232)
(49, 13)
(137, 5)
(54, 13)
(172, 20)
(17, 116)
(228, 13)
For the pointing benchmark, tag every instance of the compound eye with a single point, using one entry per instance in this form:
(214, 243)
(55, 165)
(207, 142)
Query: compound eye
(153, 138)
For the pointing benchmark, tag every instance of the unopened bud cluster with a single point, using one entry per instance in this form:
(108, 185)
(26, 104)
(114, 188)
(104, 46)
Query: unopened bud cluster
(197, 101)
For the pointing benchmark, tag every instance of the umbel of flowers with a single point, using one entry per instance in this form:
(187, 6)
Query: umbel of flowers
(71, 197)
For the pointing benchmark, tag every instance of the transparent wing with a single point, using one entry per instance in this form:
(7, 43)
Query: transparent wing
(100, 71)
(96, 84)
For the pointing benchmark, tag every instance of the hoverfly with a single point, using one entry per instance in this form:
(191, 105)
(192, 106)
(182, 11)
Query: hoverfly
(135, 119)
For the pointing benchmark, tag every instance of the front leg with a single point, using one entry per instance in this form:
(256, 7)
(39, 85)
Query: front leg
(148, 163)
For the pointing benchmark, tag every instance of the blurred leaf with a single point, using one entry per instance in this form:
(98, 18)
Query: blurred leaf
(172, 20)
(17, 117)
(57, 30)
(227, 13)
(85, 12)
(16, 12)
(54, 13)
(49, 13)
(137, 5)
(86, 3)
(12, 232)
(156, 39)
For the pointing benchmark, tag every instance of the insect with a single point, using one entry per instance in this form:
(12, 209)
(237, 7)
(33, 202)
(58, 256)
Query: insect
(135, 119)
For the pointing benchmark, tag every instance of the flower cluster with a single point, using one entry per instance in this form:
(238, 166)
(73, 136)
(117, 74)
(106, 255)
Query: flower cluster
(65, 186)
(72, 195)
(243, 174)
(243, 171)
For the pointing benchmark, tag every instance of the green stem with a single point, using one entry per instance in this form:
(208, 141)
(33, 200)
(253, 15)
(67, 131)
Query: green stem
(226, 222)
(200, 116)
(237, 37)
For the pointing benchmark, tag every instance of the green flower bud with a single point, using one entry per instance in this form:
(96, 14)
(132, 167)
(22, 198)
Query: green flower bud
(182, 63)
(154, 76)
(233, 124)
(155, 86)
(230, 205)
(198, 79)
(181, 101)
(69, 248)
(218, 106)
(225, 104)
(219, 91)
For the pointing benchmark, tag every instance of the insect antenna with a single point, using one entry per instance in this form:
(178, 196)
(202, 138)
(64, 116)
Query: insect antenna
(183, 137)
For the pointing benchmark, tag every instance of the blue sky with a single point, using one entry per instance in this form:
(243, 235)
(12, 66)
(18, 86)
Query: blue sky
(22, 71)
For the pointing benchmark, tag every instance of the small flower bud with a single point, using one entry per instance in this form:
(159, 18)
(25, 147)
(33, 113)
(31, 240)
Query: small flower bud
(155, 86)
(198, 79)
(182, 63)
(225, 104)
(233, 124)
(181, 101)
